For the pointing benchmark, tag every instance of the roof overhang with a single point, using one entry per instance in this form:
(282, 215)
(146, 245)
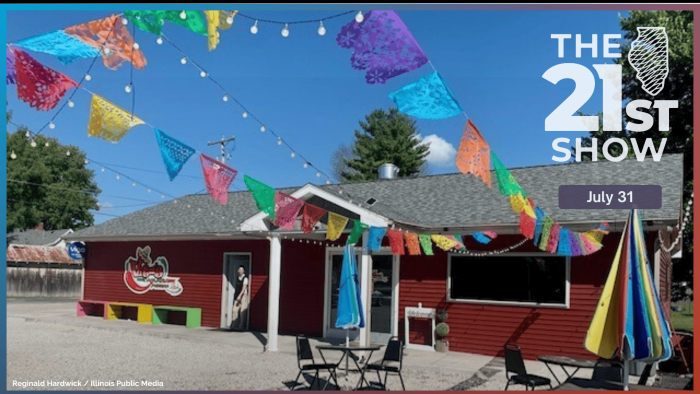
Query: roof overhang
(257, 222)
(165, 237)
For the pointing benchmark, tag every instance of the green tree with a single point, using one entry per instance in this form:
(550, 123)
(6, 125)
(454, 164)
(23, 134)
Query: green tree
(386, 137)
(46, 185)
(678, 86)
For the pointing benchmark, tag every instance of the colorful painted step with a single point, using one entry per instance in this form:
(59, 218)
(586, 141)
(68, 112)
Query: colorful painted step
(92, 308)
(166, 314)
(119, 310)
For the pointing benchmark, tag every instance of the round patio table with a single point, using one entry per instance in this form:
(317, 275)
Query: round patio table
(565, 361)
(348, 354)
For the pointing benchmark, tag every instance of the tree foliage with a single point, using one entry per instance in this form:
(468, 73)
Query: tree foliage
(386, 137)
(45, 185)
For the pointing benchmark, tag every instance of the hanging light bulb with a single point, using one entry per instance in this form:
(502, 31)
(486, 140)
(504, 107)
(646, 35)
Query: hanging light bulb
(149, 190)
(183, 60)
(359, 17)
(306, 165)
(245, 114)
(67, 153)
(159, 40)
(293, 154)
(133, 184)
(103, 169)
(127, 88)
(88, 77)
(328, 182)
(13, 155)
(46, 144)
(254, 28)
(33, 144)
(318, 174)
(285, 30)
(262, 129)
(183, 15)
(87, 161)
(203, 74)
(226, 97)
(118, 177)
(136, 45)
(52, 125)
(27, 134)
(125, 21)
(279, 141)
(106, 51)
(71, 104)
(229, 19)
(321, 29)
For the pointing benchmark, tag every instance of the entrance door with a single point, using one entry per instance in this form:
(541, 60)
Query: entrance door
(383, 316)
(232, 261)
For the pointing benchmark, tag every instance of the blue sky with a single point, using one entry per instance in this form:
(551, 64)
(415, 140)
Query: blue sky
(303, 87)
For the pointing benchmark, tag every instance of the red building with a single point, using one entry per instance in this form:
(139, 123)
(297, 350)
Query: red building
(542, 301)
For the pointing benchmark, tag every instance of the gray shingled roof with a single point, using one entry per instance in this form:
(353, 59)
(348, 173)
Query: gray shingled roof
(431, 202)
(36, 236)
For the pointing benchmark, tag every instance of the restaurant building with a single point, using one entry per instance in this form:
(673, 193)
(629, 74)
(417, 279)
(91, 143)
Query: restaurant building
(542, 301)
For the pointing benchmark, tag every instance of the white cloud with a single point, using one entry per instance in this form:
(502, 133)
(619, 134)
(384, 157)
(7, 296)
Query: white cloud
(105, 205)
(442, 153)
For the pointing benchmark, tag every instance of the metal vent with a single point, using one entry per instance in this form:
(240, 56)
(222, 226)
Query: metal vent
(371, 201)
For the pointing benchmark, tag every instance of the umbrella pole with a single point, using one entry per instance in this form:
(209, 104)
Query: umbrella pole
(626, 375)
(347, 355)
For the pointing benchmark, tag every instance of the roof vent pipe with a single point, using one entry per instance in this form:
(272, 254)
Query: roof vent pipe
(388, 171)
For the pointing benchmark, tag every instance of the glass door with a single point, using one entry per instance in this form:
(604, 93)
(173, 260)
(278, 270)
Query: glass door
(333, 270)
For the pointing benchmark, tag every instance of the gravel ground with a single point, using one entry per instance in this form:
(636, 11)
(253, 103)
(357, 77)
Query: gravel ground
(53, 351)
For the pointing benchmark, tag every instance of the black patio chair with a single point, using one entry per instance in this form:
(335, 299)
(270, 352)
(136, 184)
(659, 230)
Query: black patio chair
(392, 355)
(516, 365)
(613, 371)
(304, 353)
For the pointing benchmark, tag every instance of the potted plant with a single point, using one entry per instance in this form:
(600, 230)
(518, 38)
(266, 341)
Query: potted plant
(441, 331)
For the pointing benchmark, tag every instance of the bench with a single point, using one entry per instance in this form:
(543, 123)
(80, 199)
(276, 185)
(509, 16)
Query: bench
(91, 308)
(123, 310)
(170, 314)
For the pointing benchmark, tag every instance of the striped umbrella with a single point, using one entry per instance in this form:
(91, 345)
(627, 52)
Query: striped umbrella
(629, 321)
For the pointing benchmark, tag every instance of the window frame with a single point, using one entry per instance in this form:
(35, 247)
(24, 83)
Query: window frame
(567, 284)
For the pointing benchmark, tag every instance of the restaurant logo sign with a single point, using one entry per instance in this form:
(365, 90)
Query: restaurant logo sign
(142, 275)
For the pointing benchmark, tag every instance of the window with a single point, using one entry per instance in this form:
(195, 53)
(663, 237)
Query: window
(509, 278)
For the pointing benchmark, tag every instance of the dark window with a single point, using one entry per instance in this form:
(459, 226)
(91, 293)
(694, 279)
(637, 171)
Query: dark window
(536, 279)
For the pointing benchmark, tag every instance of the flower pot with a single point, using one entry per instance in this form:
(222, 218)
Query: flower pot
(442, 346)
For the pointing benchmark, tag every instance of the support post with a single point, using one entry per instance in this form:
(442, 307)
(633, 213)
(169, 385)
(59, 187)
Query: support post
(366, 289)
(273, 301)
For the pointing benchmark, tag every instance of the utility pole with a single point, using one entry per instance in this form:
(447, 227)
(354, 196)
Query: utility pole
(223, 142)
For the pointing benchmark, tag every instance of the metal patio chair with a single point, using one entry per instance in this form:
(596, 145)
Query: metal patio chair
(392, 355)
(516, 365)
(304, 353)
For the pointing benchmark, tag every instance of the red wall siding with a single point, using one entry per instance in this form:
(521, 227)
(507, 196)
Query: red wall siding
(484, 329)
(198, 264)
(301, 289)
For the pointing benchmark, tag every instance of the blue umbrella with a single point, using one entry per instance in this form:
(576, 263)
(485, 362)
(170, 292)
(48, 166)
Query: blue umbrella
(350, 311)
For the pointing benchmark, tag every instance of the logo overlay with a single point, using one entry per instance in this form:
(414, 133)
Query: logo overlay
(142, 275)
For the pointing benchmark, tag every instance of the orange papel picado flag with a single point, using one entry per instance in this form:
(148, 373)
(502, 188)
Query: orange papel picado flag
(474, 154)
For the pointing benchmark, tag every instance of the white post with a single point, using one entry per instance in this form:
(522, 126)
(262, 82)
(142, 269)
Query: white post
(273, 302)
(366, 289)
(626, 373)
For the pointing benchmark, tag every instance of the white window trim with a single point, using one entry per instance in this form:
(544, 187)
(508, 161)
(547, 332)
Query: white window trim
(567, 285)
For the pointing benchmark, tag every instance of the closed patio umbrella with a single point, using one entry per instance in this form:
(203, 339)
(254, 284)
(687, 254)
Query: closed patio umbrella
(629, 321)
(350, 311)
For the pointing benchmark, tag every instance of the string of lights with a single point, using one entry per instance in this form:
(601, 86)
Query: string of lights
(680, 227)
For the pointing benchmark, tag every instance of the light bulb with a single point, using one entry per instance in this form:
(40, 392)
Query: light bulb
(285, 30)
(262, 129)
(226, 97)
(106, 51)
(88, 77)
(52, 125)
(203, 74)
(318, 174)
(13, 155)
(33, 144)
(279, 141)
(27, 134)
(328, 182)
(306, 165)
(118, 177)
(293, 154)
(149, 190)
(136, 45)
(183, 15)
(321, 29)
(103, 169)
(245, 114)
(359, 17)
(159, 40)
(254, 28)
(71, 103)
(133, 184)
(127, 88)
(183, 60)
(124, 21)
(67, 153)
(86, 161)
(46, 144)
(229, 20)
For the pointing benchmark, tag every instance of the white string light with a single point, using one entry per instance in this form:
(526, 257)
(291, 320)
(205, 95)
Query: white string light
(71, 104)
(359, 18)
(254, 28)
(262, 129)
(244, 114)
(127, 88)
(321, 29)
(46, 144)
(293, 154)
(67, 153)
(33, 143)
(279, 141)
(159, 40)
(225, 97)
(125, 21)
(203, 74)
(183, 60)
(285, 30)
(13, 155)
(88, 77)
(183, 15)
(680, 227)
(52, 125)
